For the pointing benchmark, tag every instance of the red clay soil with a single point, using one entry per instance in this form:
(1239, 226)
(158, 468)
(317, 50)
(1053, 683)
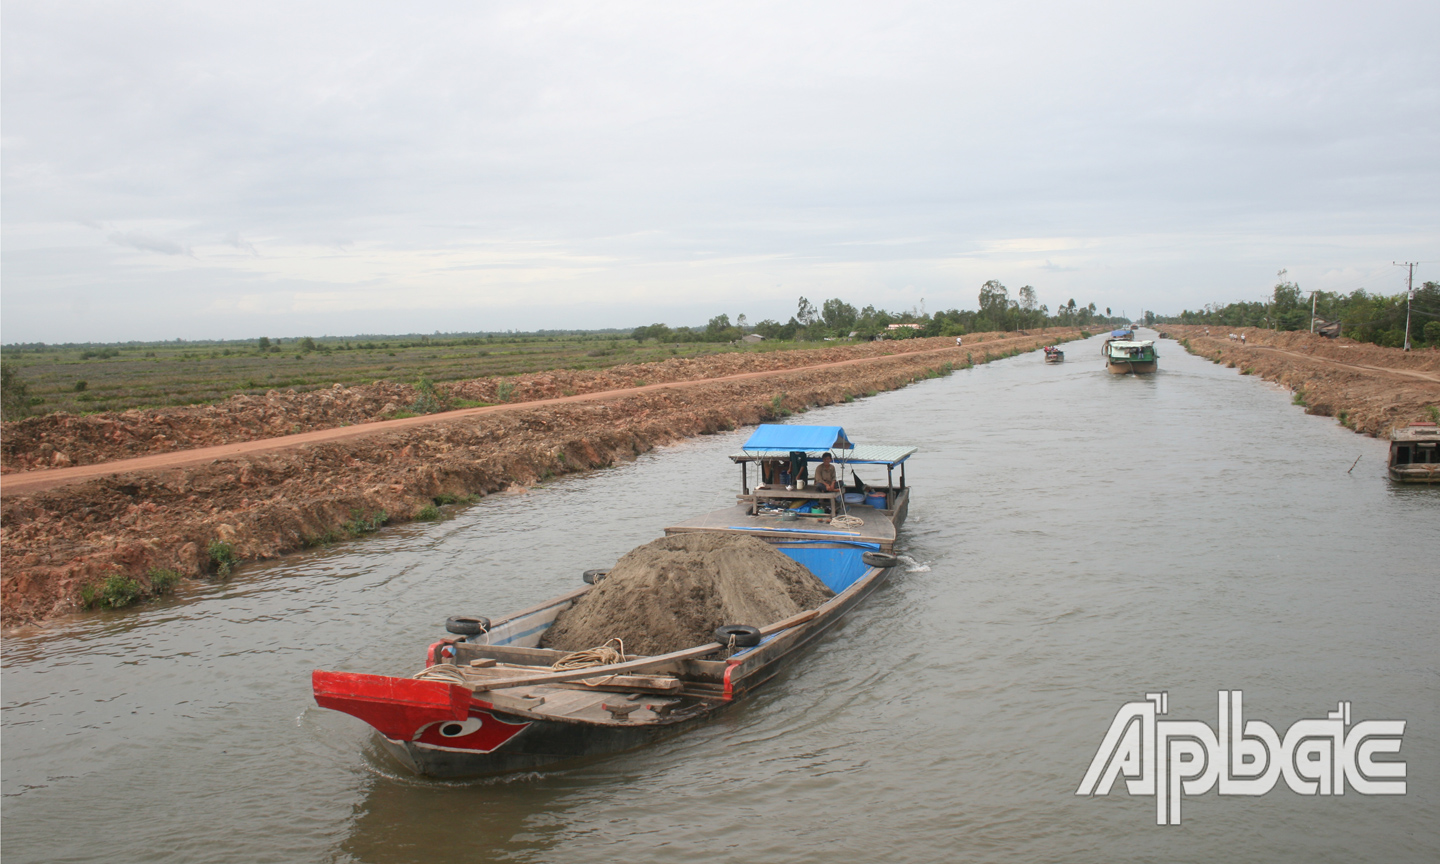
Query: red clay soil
(61, 531)
(1369, 388)
(61, 440)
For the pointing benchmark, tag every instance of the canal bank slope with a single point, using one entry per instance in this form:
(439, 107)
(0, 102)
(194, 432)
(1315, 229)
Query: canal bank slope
(63, 533)
(1368, 388)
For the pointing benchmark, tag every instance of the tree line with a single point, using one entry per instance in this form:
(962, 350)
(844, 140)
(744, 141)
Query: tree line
(1362, 316)
(837, 319)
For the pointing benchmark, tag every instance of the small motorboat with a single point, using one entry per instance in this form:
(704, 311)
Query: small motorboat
(1054, 355)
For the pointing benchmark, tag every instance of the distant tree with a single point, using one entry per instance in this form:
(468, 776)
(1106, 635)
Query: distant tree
(805, 313)
(307, 345)
(14, 394)
(839, 316)
(658, 332)
(994, 299)
(263, 343)
(1028, 301)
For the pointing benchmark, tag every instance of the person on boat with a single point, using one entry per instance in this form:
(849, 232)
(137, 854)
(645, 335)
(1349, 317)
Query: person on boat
(825, 476)
(773, 473)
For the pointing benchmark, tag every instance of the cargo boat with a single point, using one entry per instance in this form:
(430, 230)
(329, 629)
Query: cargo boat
(1415, 454)
(1054, 355)
(1125, 354)
(488, 700)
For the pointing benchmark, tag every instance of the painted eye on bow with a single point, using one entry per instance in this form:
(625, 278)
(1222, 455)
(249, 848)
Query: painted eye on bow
(455, 729)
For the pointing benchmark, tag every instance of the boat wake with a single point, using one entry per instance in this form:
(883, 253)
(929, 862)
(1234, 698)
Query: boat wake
(913, 566)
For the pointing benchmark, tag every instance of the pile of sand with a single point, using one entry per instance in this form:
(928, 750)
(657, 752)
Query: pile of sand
(671, 594)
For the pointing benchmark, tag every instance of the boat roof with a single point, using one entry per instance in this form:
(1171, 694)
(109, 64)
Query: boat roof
(864, 454)
(1120, 334)
(1416, 432)
(1131, 343)
(777, 436)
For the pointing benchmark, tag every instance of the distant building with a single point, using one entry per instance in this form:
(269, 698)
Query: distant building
(752, 338)
(898, 326)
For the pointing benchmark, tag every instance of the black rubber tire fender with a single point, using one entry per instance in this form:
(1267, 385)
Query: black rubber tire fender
(467, 625)
(745, 636)
(880, 559)
(593, 577)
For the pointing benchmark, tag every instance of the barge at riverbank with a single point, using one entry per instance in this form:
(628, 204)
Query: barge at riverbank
(1415, 454)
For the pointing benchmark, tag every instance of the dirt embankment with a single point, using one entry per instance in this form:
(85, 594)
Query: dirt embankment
(1368, 388)
(671, 594)
(57, 541)
(61, 440)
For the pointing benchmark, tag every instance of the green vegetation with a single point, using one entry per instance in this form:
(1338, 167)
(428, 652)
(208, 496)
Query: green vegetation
(119, 590)
(1299, 397)
(116, 591)
(1434, 412)
(1364, 317)
(41, 378)
(428, 513)
(222, 557)
(444, 499)
(163, 581)
(362, 524)
(14, 393)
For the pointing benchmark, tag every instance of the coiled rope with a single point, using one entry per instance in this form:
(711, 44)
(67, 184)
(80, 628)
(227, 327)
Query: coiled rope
(443, 672)
(846, 521)
(604, 655)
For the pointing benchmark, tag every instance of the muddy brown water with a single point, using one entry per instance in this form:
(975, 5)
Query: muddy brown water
(1080, 539)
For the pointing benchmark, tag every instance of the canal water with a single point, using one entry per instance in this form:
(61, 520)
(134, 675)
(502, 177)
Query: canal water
(1079, 540)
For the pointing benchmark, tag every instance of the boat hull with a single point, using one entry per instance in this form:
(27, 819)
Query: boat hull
(1127, 367)
(1415, 473)
(488, 739)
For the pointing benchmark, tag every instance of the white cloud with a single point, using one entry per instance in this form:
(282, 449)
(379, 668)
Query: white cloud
(526, 166)
(148, 243)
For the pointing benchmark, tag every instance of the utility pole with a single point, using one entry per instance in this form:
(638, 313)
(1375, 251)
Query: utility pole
(1409, 292)
(1312, 313)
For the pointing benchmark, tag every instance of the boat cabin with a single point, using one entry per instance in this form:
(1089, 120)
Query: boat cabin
(778, 498)
(1415, 453)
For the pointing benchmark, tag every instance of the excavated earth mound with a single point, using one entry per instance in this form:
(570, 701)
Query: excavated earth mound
(671, 594)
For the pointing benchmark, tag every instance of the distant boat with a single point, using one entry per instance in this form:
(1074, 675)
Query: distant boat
(1054, 355)
(1124, 354)
(1415, 454)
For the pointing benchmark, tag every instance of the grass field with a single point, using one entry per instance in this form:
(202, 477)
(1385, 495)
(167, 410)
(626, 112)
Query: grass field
(89, 378)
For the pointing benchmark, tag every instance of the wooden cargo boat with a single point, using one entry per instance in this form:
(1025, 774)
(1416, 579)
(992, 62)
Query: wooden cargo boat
(1125, 354)
(489, 700)
(1054, 355)
(1415, 454)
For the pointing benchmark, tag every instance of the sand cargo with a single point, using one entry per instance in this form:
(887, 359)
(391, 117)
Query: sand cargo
(677, 630)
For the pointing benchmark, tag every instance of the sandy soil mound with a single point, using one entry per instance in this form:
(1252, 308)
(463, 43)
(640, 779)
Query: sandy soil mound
(671, 594)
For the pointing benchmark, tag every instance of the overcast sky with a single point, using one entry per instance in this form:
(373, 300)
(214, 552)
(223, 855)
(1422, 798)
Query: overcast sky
(209, 170)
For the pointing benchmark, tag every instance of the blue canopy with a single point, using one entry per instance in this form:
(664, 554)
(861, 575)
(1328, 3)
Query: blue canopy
(774, 436)
(1120, 334)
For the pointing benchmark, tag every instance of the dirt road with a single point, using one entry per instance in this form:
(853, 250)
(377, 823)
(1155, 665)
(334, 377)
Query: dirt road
(65, 530)
(33, 481)
(1403, 373)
